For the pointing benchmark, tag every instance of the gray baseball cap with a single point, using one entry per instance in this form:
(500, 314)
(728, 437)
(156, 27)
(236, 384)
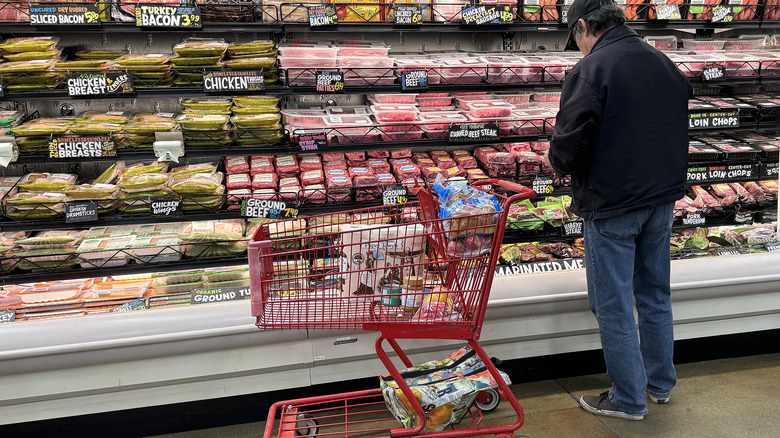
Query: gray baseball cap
(579, 9)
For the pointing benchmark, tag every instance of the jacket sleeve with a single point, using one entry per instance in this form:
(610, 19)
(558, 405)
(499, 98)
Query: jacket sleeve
(577, 119)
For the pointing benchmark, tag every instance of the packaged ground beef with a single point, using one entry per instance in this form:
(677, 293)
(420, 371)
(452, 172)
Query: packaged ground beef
(365, 180)
(400, 153)
(335, 172)
(356, 156)
(332, 156)
(359, 171)
(409, 171)
(466, 161)
(239, 181)
(481, 151)
(339, 195)
(287, 165)
(265, 194)
(379, 166)
(265, 181)
(234, 198)
(289, 181)
(314, 194)
(540, 146)
(418, 155)
(445, 162)
(312, 177)
(357, 163)
(310, 162)
(430, 173)
(378, 154)
(455, 172)
(262, 164)
(501, 158)
(236, 165)
(289, 193)
(401, 162)
(339, 182)
(385, 179)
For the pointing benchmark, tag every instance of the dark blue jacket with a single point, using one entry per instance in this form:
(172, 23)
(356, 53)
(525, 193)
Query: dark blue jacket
(622, 128)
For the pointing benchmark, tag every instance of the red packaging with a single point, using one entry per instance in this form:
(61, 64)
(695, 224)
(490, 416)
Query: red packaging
(475, 174)
(540, 146)
(236, 165)
(466, 161)
(264, 181)
(455, 172)
(496, 170)
(429, 173)
(501, 158)
(335, 172)
(287, 164)
(769, 186)
(339, 195)
(725, 192)
(310, 162)
(289, 181)
(289, 193)
(400, 162)
(235, 196)
(351, 163)
(482, 151)
(379, 166)
(460, 153)
(266, 194)
(366, 180)
(426, 162)
(356, 156)
(400, 153)
(314, 194)
(336, 182)
(439, 153)
(409, 171)
(359, 171)
(312, 177)
(516, 148)
(239, 181)
(420, 156)
(335, 165)
(262, 164)
(385, 179)
(528, 157)
(332, 156)
(445, 162)
(378, 154)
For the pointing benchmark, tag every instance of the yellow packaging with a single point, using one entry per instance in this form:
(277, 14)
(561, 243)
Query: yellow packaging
(359, 13)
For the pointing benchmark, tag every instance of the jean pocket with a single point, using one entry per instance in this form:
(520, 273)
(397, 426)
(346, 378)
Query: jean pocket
(620, 227)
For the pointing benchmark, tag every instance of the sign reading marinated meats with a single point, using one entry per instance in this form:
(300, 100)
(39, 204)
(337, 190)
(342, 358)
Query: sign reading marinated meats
(7, 315)
(201, 296)
(322, 16)
(263, 208)
(63, 14)
(414, 80)
(234, 81)
(99, 84)
(330, 82)
(150, 15)
(713, 119)
(81, 212)
(501, 14)
(313, 142)
(82, 147)
(407, 15)
(572, 229)
(166, 206)
(473, 132)
(394, 195)
(535, 268)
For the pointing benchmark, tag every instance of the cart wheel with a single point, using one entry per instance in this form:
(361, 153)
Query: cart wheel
(306, 425)
(492, 399)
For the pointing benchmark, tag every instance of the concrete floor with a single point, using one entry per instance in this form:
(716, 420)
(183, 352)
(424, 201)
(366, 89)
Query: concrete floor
(722, 398)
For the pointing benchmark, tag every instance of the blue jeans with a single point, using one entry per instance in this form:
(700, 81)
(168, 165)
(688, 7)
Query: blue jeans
(627, 259)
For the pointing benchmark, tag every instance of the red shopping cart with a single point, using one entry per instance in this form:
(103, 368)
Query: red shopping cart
(400, 270)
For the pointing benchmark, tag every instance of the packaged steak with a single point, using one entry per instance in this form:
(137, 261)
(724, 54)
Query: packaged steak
(238, 181)
(514, 148)
(335, 172)
(482, 151)
(419, 155)
(455, 172)
(286, 164)
(409, 171)
(466, 161)
(359, 171)
(378, 154)
(500, 158)
(365, 180)
(430, 173)
(496, 170)
(356, 163)
(310, 162)
(334, 165)
(445, 162)
(313, 194)
(400, 153)
(400, 162)
(438, 153)
(356, 156)
(425, 162)
(332, 156)
(339, 195)
(236, 165)
(475, 174)
(262, 164)
(289, 181)
(540, 146)
(264, 181)
(312, 177)
(379, 166)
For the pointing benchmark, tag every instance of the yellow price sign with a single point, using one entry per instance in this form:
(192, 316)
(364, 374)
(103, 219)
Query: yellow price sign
(92, 17)
(290, 212)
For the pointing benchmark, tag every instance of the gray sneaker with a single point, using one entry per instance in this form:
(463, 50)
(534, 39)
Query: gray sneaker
(658, 400)
(600, 405)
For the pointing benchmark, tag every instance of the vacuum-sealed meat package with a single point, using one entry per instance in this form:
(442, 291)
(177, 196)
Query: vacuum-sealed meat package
(400, 153)
(236, 165)
(314, 194)
(265, 181)
(356, 156)
(335, 165)
(379, 166)
(239, 181)
(378, 154)
(332, 156)
(262, 164)
(289, 181)
(312, 177)
(287, 164)
(310, 162)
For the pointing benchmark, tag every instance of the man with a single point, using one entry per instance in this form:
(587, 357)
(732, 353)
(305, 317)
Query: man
(622, 134)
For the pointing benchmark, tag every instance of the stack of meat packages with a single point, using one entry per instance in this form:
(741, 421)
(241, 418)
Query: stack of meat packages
(432, 165)
(522, 162)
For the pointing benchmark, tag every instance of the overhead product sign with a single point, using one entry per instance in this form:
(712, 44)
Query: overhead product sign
(414, 80)
(218, 81)
(97, 146)
(322, 16)
(263, 208)
(468, 132)
(483, 14)
(666, 12)
(156, 15)
(713, 119)
(394, 195)
(713, 72)
(722, 14)
(81, 212)
(100, 84)
(407, 15)
(330, 81)
(64, 14)
(166, 206)
(316, 141)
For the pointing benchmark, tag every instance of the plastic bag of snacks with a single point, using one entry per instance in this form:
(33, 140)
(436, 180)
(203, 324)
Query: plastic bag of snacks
(471, 211)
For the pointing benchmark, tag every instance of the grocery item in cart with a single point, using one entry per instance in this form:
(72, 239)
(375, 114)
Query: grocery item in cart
(471, 211)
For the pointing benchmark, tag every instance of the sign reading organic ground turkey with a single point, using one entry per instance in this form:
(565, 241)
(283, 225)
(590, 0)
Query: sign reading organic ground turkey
(234, 81)
(151, 15)
(98, 84)
(63, 14)
(97, 146)
(202, 296)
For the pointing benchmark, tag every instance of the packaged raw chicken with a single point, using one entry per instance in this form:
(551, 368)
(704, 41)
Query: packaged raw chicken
(46, 182)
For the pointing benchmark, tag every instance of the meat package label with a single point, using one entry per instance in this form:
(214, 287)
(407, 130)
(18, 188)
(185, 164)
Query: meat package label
(156, 15)
(82, 147)
(99, 84)
(81, 212)
(7, 315)
(217, 81)
(468, 132)
(264, 208)
(407, 15)
(64, 14)
(482, 14)
(202, 296)
(322, 16)
(713, 119)
(537, 267)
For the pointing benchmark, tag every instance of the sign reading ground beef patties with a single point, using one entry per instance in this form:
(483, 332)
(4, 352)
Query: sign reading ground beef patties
(97, 146)
(151, 15)
(501, 14)
(97, 84)
(234, 81)
(330, 82)
(201, 296)
(62, 14)
(473, 132)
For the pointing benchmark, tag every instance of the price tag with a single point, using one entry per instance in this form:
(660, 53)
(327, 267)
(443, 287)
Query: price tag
(459, 133)
(743, 217)
(330, 81)
(481, 14)
(218, 81)
(667, 12)
(64, 14)
(81, 212)
(263, 208)
(713, 72)
(317, 141)
(414, 80)
(693, 219)
(166, 206)
(100, 84)
(768, 170)
(572, 229)
(131, 306)
(98, 146)
(7, 315)
(543, 185)
(713, 119)
(722, 14)
(218, 295)
(394, 195)
(407, 15)
(156, 15)
(322, 16)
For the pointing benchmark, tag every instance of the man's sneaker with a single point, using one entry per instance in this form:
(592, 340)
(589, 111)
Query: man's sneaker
(600, 405)
(659, 400)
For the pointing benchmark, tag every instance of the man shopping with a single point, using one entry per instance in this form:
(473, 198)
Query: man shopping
(622, 134)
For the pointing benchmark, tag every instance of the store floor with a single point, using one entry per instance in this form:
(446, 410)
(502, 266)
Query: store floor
(736, 397)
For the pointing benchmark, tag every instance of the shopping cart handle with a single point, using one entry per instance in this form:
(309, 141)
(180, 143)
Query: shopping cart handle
(523, 192)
